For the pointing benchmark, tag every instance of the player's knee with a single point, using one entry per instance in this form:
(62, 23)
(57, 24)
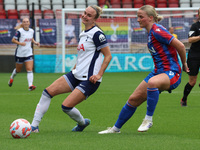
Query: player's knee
(66, 109)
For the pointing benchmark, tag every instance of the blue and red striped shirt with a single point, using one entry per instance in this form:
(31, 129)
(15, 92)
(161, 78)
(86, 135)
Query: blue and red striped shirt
(165, 57)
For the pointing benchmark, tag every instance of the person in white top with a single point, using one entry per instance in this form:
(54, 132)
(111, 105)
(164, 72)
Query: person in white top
(86, 75)
(70, 37)
(24, 54)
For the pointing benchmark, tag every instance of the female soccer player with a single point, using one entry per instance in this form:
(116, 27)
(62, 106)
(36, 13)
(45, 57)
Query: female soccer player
(193, 59)
(166, 75)
(23, 38)
(86, 76)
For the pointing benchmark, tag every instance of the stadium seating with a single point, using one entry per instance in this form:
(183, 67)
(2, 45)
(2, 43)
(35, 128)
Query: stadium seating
(12, 14)
(36, 4)
(80, 4)
(101, 2)
(48, 14)
(54, 5)
(38, 14)
(45, 4)
(69, 4)
(24, 13)
(21, 4)
(9, 4)
(114, 2)
(2, 14)
(125, 2)
(92, 2)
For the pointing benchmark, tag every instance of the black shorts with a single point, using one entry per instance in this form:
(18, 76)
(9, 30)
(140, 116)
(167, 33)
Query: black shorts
(193, 65)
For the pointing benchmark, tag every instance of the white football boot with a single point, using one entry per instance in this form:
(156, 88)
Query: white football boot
(109, 130)
(146, 124)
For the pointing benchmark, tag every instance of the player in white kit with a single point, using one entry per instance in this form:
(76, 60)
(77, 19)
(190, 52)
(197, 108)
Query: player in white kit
(86, 75)
(23, 38)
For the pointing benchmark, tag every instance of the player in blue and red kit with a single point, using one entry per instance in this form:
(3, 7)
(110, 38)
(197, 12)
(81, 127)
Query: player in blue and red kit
(165, 76)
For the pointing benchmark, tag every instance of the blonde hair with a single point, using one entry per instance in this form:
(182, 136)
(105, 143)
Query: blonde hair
(98, 10)
(150, 10)
(18, 27)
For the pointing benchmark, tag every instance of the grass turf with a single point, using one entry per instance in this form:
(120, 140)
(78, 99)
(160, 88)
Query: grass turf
(175, 127)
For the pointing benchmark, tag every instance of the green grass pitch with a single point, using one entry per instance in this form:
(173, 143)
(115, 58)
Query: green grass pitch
(175, 127)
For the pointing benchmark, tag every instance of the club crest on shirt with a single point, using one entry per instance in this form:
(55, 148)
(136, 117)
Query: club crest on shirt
(102, 38)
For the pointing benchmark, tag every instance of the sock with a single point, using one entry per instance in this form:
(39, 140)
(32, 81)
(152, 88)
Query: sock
(125, 114)
(152, 100)
(74, 114)
(41, 108)
(186, 91)
(13, 74)
(30, 78)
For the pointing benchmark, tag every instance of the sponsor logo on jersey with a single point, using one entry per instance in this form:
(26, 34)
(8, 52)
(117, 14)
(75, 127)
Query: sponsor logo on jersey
(80, 47)
(102, 38)
(28, 40)
(152, 50)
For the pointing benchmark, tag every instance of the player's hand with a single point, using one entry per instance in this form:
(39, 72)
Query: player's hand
(23, 44)
(94, 78)
(37, 43)
(185, 68)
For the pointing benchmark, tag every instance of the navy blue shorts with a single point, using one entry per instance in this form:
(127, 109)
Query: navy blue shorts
(86, 87)
(21, 60)
(175, 78)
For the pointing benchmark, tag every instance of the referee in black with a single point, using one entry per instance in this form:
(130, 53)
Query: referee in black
(193, 59)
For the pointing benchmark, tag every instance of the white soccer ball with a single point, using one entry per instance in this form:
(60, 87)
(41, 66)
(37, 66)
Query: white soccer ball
(20, 128)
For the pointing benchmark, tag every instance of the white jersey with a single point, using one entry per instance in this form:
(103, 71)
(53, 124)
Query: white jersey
(69, 30)
(24, 36)
(89, 59)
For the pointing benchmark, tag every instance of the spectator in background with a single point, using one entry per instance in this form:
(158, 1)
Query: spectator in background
(106, 5)
(171, 30)
(18, 24)
(70, 36)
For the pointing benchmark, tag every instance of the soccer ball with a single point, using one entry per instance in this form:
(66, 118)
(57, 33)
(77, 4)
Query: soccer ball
(20, 128)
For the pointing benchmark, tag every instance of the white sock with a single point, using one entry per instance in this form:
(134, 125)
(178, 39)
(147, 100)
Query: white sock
(148, 117)
(30, 78)
(41, 109)
(116, 129)
(13, 74)
(76, 116)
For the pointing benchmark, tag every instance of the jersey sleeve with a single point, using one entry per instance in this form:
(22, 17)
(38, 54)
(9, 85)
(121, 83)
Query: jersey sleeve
(163, 36)
(100, 40)
(17, 35)
(193, 31)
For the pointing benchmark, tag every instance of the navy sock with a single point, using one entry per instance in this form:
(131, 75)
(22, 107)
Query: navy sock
(125, 114)
(152, 100)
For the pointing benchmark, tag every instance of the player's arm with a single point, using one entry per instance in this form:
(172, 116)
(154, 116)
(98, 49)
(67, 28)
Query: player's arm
(107, 57)
(34, 42)
(17, 42)
(194, 39)
(193, 34)
(179, 46)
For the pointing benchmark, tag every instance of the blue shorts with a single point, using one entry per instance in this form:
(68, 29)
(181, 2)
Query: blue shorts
(21, 60)
(175, 78)
(86, 87)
